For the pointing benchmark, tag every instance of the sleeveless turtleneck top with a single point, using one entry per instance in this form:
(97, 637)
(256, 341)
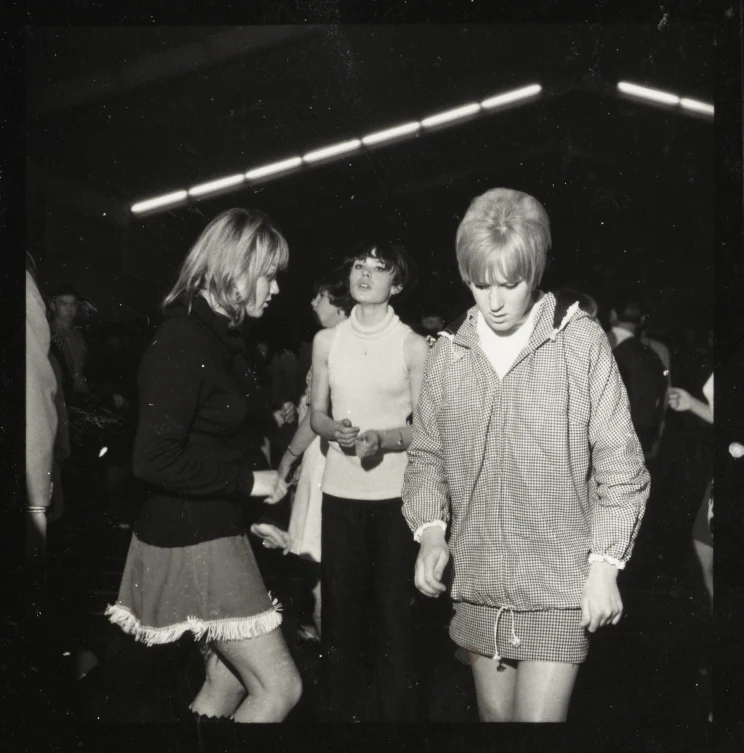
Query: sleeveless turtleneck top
(370, 385)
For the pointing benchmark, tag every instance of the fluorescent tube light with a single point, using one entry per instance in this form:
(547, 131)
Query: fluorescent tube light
(159, 201)
(330, 151)
(391, 133)
(274, 167)
(446, 117)
(646, 93)
(216, 185)
(512, 96)
(697, 106)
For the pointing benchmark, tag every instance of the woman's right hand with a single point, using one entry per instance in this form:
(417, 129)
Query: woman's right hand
(432, 558)
(344, 433)
(268, 484)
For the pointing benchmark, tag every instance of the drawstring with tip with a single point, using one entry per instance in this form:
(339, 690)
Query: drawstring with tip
(515, 641)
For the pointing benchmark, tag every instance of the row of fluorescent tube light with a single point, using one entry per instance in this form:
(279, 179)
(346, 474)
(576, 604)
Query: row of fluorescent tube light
(665, 98)
(336, 149)
(405, 129)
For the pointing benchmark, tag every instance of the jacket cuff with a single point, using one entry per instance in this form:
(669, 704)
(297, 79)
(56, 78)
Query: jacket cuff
(421, 529)
(245, 482)
(619, 564)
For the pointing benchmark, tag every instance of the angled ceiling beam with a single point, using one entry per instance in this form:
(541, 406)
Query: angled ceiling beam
(179, 61)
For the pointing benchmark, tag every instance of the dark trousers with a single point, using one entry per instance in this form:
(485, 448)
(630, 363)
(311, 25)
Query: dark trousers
(367, 586)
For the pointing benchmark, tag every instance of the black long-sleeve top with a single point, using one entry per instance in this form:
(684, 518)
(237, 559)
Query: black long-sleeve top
(202, 419)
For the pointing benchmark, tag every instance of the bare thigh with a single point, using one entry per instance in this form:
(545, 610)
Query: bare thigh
(263, 663)
(543, 691)
(495, 683)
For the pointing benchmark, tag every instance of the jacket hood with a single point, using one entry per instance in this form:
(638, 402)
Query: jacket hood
(556, 312)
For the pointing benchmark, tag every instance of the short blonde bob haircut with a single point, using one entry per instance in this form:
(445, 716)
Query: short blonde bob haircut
(237, 245)
(504, 234)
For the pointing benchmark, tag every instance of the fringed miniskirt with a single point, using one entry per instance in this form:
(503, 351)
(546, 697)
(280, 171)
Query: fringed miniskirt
(213, 590)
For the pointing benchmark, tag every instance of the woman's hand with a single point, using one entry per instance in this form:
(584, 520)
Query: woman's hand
(601, 603)
(278, 492)
(368, 443)
(269, 485)
(287, 414)
(432, 558)
(344, 433)
(273, 537)
(679, 399)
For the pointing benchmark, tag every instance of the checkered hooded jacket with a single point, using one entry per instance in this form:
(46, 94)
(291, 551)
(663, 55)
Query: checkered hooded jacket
(533, 473)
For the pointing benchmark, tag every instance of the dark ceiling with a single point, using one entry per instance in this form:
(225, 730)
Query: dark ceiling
(628, 186)
(308, 91)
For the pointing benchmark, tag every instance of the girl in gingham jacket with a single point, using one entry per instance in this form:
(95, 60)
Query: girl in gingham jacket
(524, 451)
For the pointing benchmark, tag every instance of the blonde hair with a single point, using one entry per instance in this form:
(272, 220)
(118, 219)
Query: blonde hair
(504, 232)
(238, 243)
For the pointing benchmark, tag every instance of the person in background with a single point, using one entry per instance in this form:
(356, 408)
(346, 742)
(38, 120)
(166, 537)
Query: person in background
(367, 374)
(665, 356)
(41, 421)
(61, 444)
(430, 325)
(68, 343)
(680, 400)
(524, 468)
(643, 373)
(331, 304)
(202, 419)
(702, 531)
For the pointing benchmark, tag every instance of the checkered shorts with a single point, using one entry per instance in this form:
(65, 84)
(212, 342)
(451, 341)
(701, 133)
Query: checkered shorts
(549, 635)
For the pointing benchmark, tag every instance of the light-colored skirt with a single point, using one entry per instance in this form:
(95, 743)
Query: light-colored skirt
(305, 519)
(213, 590)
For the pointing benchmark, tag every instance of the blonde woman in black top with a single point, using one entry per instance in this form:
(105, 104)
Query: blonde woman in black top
(202, 420)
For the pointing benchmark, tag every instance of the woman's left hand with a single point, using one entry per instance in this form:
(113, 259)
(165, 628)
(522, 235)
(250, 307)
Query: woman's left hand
(287, 414)
(368, 443)
(601, 603)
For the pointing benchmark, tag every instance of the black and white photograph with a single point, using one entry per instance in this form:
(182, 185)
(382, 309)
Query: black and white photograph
(370, 374)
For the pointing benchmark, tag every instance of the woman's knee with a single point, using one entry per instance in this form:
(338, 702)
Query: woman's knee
(289, 687)
(488, 711)
(283, 685)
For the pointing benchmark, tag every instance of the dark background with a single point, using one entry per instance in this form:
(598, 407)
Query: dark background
(121, 114)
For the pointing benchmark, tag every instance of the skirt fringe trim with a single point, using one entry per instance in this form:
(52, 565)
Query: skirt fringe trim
(230, 629)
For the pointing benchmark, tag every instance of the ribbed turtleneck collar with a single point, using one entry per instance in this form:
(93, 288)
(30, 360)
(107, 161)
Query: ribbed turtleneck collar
(376, 330)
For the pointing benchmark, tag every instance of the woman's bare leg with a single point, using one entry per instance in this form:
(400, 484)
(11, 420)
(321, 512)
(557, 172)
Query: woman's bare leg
(495, 683)
(543, 691)
(222, 691)
(268, 672)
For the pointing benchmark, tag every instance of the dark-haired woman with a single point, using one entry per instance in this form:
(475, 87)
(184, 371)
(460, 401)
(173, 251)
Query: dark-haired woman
(367, 375)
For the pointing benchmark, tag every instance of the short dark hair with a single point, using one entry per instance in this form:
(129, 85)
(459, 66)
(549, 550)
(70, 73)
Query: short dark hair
(630, 311)
(65, 288)
(336, 287)
(392, 255)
